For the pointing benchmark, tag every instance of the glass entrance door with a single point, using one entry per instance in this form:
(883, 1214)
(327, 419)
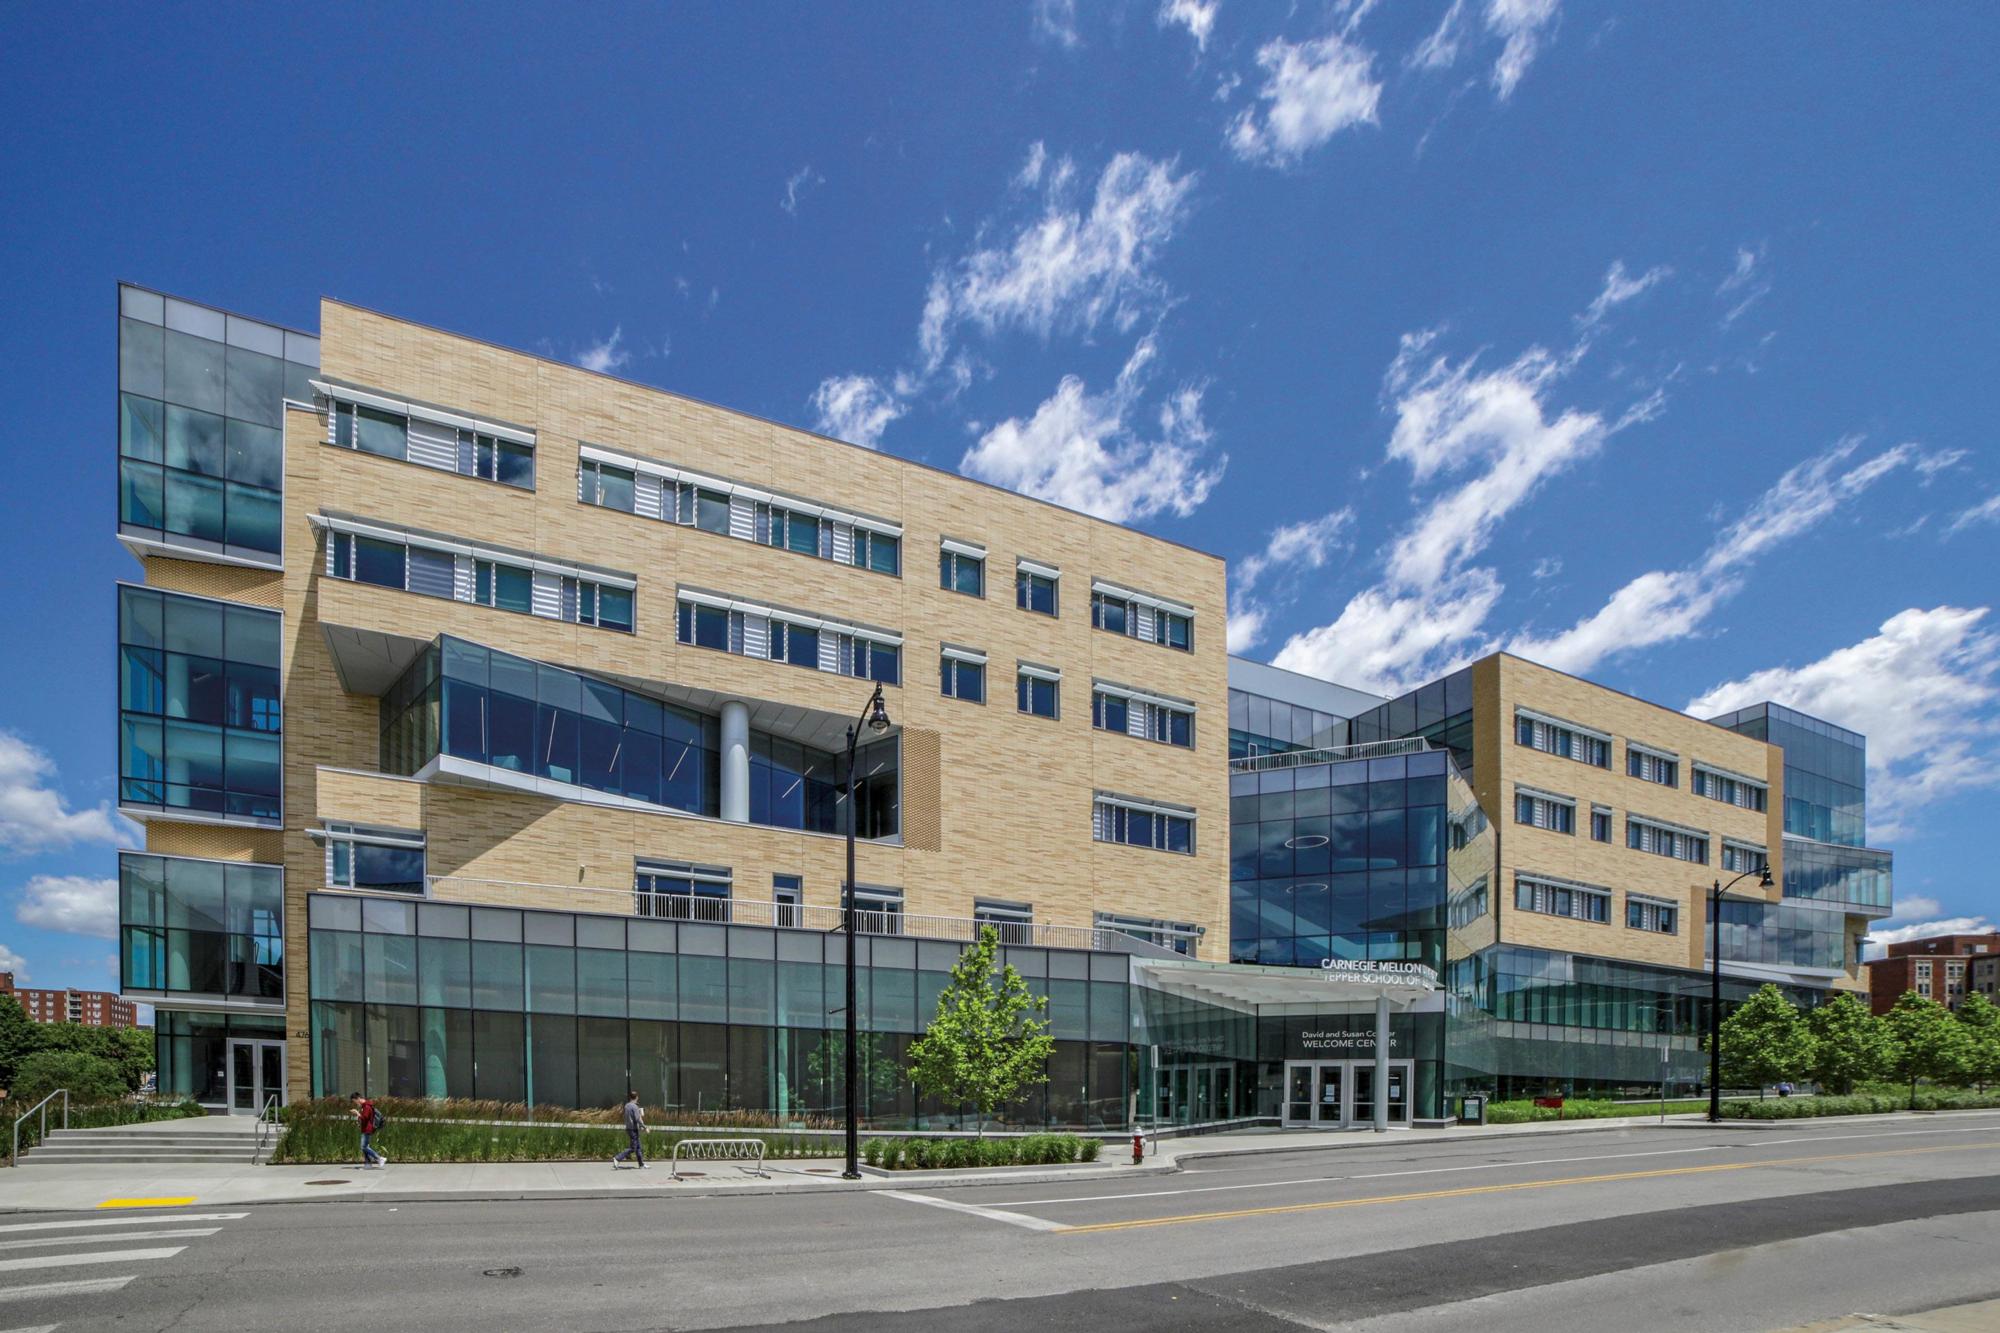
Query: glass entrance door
(1299, 1093)
(1339, 1094)
(256, 1072)
(1328, 1109)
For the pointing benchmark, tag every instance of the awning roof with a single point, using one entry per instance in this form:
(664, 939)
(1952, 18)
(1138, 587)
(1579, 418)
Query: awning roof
(1246, 984)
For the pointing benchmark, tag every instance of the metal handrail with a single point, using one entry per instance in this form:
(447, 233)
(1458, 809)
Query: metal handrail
(1327, 754)
(268, 1115)
(14, 1152)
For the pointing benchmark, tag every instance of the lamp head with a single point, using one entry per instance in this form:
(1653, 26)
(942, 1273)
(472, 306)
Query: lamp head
(878, 714)
(1764, 880)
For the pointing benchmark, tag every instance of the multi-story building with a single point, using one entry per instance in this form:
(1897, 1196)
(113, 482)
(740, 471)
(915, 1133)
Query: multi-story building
(486, 717)
(1579, 958)
(1945, 968)
(92, 1008)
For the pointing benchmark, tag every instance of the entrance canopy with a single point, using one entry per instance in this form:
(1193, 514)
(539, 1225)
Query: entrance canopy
(1249, 986)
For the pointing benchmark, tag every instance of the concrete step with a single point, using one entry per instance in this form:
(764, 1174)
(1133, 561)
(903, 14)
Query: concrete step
(51, 1157)
(116, 1136)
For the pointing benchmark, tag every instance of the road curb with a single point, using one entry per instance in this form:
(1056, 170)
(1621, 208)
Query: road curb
(1793, 1122)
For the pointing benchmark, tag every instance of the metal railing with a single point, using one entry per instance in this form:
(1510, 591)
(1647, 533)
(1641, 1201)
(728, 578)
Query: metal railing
(708, 909)
(748, 1151)
(1260, 763)
(14, 1152)
(267, 1118)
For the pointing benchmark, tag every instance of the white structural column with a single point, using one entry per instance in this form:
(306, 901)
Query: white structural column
(736, 762)
(1382, 1063)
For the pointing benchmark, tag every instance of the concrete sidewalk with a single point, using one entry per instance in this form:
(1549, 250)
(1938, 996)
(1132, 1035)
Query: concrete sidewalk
(74, 1186)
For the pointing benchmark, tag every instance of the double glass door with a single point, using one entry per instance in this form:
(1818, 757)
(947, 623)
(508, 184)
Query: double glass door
(1334, 1094)
(256, 1072)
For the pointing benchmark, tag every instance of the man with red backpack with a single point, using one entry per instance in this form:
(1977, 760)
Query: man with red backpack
(371, 1123)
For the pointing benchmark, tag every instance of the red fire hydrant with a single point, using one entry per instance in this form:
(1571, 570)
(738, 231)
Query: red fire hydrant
(1138, 1149)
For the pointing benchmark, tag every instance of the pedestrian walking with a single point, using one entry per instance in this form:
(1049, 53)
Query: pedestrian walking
(635, 1131)
(370, 1121)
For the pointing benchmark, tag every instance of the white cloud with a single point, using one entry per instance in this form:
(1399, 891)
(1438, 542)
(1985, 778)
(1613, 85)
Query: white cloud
(1386, 640)
(1986, 511)
(1746, 284)
(1922, 689)
(33, 816)
(1055, 21)
(1081, 450)
(1196, 17)
(1066, 269)
(1520, 24)
(796, 186)
(1930, 465)
(13, 962)
(605, 357)
(1305, 545)
(1620, 287)
(1314, 90)
(1547, 567)
(1661, 606)
(1245, 629)
(855, 408)
(1879, 938)
(72, 903)
(1030, 174)
(1440, 49)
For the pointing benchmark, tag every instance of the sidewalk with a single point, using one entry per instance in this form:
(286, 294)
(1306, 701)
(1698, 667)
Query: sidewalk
(69, 1187)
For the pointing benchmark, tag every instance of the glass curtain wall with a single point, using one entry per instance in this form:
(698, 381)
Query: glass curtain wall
(1440, 712)
(1260, 725)
(199, 716)
(561, 1009)
(491, 707)
(193, 1050)
(190, 927)
(201, 400)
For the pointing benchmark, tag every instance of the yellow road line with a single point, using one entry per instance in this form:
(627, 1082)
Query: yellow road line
(1468, 1190)
(147, 1203)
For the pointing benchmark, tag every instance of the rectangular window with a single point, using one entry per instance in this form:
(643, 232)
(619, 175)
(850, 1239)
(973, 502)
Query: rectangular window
(374, 861)
(378, 562)
(587, 602)
(1013, 922)
(1651, 766)
(1600, 823)
(962, 678)
(1142, 826)
(1036, 694)
(1645, 836)
(877, 551)
(1109, 712)
(1114, 711)
(1136, 619)
(1559, 739)
(605, 486)
(1035, 591)
(1538, 810)
(1574, 901)
(495, 459)
(681, 891)
(1644, 914)
(371, 430)
(508, 587)
(1743, 793)
(787, 897)
(959, 571)
(1742, 857)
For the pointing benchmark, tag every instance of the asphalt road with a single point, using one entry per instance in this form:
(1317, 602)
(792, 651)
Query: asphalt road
(1652, 1228)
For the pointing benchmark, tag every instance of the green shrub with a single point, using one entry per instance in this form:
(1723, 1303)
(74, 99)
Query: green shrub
(871, 1151)
(1860, 1103)
(1088, 1150)
(90, 1079)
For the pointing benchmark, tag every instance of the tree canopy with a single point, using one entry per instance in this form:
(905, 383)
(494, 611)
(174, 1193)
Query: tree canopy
(988, 1042)
(1929, 1043)
(1850, 1045)
(1765, 1041)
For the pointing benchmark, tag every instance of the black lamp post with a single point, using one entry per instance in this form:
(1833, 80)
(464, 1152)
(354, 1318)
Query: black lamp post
(876, 715)
(1715, 983)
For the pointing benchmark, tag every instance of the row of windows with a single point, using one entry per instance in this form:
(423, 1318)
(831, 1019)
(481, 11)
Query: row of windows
(1641, 763)
(1139, 717)
(1111, 821)
(812, 647)
(1583, 903)
(1570, 743)
(1739, 792)
(420, 569)
(1558, 815)
(1152, 624)
(768, 523)
(1650, 767)
(470, 453)
(1680, 845)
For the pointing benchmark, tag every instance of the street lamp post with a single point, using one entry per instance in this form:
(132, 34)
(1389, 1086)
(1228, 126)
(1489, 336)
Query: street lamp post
(877, 718)
(1715, 983)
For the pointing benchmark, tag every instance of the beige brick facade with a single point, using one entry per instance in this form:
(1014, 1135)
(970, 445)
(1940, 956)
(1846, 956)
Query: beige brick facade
(996, 803)
(1503, 685)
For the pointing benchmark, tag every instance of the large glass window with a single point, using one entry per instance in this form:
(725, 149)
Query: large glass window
(199, 927)
(1035, 591)
(198, 699)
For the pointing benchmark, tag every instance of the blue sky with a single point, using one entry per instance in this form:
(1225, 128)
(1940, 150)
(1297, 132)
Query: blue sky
(1655, 344)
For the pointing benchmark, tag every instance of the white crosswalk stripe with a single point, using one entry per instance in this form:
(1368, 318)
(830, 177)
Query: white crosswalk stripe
(44, 1290)
(120, 1239)
(32, 1328)
(130, 1220)
(90, 1257)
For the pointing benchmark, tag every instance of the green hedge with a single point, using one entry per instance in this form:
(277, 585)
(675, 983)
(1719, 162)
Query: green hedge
(102, 1116)
(326, 1132)
(917, 1154)
(466, 1108)
(1526, 1112)
(1864, 1103)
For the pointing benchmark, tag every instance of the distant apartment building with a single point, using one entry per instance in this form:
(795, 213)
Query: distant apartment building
(1945, 968)
(92, 1008)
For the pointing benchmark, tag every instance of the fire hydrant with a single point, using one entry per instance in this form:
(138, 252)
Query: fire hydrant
(1138, 1149)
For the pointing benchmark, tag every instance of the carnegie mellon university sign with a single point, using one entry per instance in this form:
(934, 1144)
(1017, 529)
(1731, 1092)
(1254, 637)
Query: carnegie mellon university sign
(1378, 972)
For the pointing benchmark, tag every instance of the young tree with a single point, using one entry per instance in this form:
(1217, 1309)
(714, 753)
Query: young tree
(1981, 1021)
(1929, 1043)
(89, 1078)
(1765, 1040)
(988, 1043)
(1850, 1044)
